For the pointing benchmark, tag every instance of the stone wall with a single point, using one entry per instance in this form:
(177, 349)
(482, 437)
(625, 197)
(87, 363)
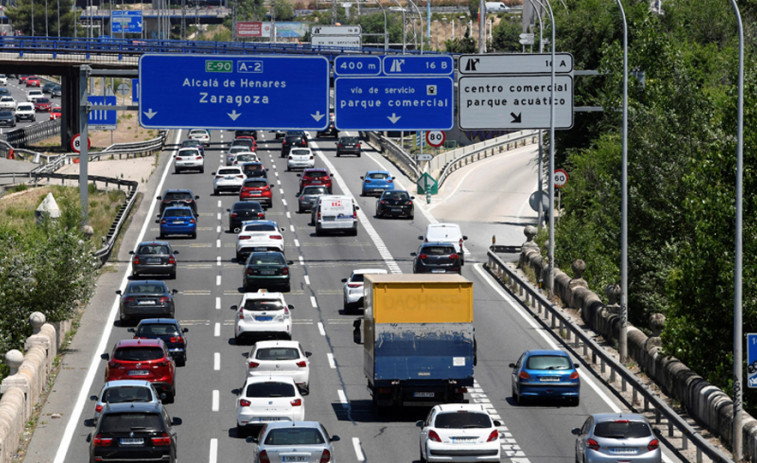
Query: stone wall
(22, 389)
(709, 405)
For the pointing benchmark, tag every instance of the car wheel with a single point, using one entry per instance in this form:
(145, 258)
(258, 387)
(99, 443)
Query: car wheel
(181, 363)
(161, 235)
(575, 401)
(287, 288)
(518, 399)
(193, 235)
(202, 170)
(241, 431)
(171, 396)
(353, 232)
(338, 155)
(411, 216)
(215, 192)
(172, 276)
(358, 154)
(423, 457)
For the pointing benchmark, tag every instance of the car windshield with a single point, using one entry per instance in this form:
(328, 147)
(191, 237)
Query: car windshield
(462, 420)
(146, 288)
(138, 353)
(157, 329)
(120, 394)
(548, 362)
(43, 100)
(263, 305)
(438, 250)
(178, 212)
(622, 429)
(278, 353)
(378, 176)
(196, 133)
(314, 190)
(316, 174)
(396, 195)
(242, 142)
(270, 389)
(300, 152)
(120, 422)
(260, 227)
(153, 249)
(255, 183)
(245, 157)
(294, 436)
(188, 152)
(267, 258)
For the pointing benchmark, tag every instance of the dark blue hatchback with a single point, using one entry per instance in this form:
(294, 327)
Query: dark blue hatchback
(545, 374)
(178, 221)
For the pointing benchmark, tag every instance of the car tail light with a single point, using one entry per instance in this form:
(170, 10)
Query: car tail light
(240, 176)
(574, 375)
(244, 237)
(260, 215)
(325, 456)
(100, 441)
(383, 202)
(296, 402)
(409, 203)
(252, 364)
(285, 271)
(339, 145)
(524, 375)
(135, 260)
(302, 364)
(434, 436)
(219, 176)
(461, 243)
(276, 237)
(129, 300)
(234, 214)
(163, 222)
(161, 441)
(354, 214)
(592, 444)
(454, 256)
(244, 403)
(198, 157)
(422, 256)
(171, 260)
(358, 145)
(98, 408)
(389, 180)
(176, 339)
(191, 220)
(493, 436)
(319, 215)
(311, 157)
(354, 285)
(264, 457)
(249, 272)
(164, 300)
(654, 444)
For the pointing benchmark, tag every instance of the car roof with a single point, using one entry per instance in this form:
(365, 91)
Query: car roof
(378, 172)
(437, 243)
(263, 295)
(292, 424)
(179, 190)
(140, 343)
(315, 169)
(461, 407)
(158, 321)
(547, 352)
(147, 282)
(154, 243)
(237, 168)
(276, 343)
(127, 383)
(272, 378)
(172, 208)
(442, 225)
(132, 407)
(604, 417)
(369, 270)
(239, 204)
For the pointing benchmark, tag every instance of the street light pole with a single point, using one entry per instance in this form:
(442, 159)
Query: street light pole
(540, 180)
(551, 270)
(420, 17)
(738, 368)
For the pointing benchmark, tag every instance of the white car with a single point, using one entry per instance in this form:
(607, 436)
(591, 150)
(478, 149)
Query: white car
(3, 79)
(7, 102)
(280, 358)
(201, 135)
(259, 235)
(189, 159)
(244, 156)
(32, 95)
(266, 399)
(228, 179)
(451, 430)
(263, 315)
(354, 286)
(233, 150)
(125, 390)
(300, 158)
(25, 111)
(446, 233)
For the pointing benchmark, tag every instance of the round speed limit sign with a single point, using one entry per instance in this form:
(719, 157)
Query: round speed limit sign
(560, 178)
(76, 143)
(435, 138)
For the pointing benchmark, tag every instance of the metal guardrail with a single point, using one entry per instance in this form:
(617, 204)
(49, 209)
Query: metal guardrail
(402, 158)
(33, 133)
(574, 338)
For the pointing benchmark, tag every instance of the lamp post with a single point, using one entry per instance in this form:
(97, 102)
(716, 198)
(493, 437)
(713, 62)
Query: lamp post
(404, 29)
(540, 180)
(738, 368)
(551, 271)
(58, 18)
(420, 18)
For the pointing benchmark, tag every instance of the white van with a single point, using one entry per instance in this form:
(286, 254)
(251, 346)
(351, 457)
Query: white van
(335, 213)
(446, 233)
(496, 7)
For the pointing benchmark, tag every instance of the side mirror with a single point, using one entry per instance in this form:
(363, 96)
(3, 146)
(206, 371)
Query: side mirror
(282, 229)
(212, 173)
(131, 330)
(290, 262)
(420, 237)
(512, 365)
(413, 254)
(576, 365)
(334, 438)
(176, 251)
(357, 208)
(576, 431)
(254, 439)
(234, 307)
(412, 197)
(308, 354)
(176, 421)
(185, 330)
(105, 356)
(118, 291)
(362, 178)
(393, 178)
(290, 307)
(228, 210)
(344, 280)
(158, 197)
(131, 253)
(465, 237)
(297, 195)
(419, 423)
(497, 423)
(299, 175)
(93, 397)
(197, 197)
(174, 291)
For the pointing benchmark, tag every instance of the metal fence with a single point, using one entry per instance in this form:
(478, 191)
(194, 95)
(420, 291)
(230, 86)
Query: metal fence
(576, 339)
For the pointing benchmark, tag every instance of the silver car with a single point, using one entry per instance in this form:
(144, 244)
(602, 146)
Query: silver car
(613, 437)
(125, 390)
(354, 286)
(302, 441)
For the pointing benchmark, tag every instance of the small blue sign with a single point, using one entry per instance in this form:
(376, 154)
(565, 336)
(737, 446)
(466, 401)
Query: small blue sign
(135, 90)
(234, 92)
(751, 358)
(394, 103)
(129, 22)
(442, 65)
(103, 118)
(357, 65)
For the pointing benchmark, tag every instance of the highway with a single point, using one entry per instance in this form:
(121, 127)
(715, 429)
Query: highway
(18, 92)
(487, 198)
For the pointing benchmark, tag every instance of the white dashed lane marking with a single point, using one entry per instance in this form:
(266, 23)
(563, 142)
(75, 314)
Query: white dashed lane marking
(217, 361)
(358, 450)
(215, 400)
(332, 362)
(217, 330)
(218, 280)
(218, 303)
(320, 329)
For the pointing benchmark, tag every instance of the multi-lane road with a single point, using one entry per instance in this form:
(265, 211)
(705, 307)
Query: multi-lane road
(18, 92)
(487, 198)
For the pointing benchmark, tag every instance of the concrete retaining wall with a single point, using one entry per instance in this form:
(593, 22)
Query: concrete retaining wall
(709, 405)
(24, 387)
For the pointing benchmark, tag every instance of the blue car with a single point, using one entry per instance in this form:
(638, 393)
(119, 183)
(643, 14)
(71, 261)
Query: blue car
(545, 374)
(178, 221)
(376, 182)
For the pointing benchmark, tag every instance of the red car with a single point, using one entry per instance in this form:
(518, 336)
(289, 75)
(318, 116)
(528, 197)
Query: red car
(315, 176)
(257, 189)
(32, 81)
(42, 104)
(55, 112)
(145, 359)
(246, 140)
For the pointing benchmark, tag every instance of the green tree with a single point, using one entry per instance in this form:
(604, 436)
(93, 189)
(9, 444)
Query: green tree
(284, 11)
(461, 45)
(506, 36)
(21, 16)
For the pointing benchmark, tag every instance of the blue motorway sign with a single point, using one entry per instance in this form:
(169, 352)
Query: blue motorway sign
(135, 90)
(751, 359)
(442, 65)
(234, 92)
(102, 118)
(126, 21)
(394, 103)
(357, 65)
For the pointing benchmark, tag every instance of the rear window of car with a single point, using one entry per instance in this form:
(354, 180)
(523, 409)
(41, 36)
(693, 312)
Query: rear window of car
(300, 152)
(462, 420)
(348, 140)
(177, 196)
(294, 436)
(270, 389)
(153, 249)
(178, 213)
(278, 353)
(438, 250)
(188, 152)
(198, 132)
(622, 429)
(317, 174)
(247, 206)
(314, 190)
(378, 176)
(267, 258)
(121, 394)
(119, 422)
(245, 157)
(358, 277)
(138, 353)
(548, 362)
(396, 195)
(260, 227)
(238, 148)
(255, 183)
(262, 305)
(155, 329)
(146, 288)
(228, 172)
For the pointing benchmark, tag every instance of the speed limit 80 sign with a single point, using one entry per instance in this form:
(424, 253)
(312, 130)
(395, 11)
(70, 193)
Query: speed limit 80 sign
(76, 143)
(560, 178)
(435, 138)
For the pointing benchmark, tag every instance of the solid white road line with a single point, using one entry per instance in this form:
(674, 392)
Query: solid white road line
(358, 450)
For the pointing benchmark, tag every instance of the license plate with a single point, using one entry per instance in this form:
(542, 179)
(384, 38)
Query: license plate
(328, 218)
(286, 459)
(267, 272)
(424, 394)
(153, 260)
(132, 441)
(178, 222)
(623, 451)
(139, 373)
(264, 318)
(228, 177)
(437, 270)
(549, 379)
(396, 209)
(264, 419)
(458, 440)
(146, 302)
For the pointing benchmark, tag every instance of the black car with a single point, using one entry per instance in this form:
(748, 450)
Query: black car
(242, 211)
(146, 299)
(254, 170)
(395, 203)
(7, 118)
(330, 131)
(56, 91)
(48, 86)
(170, 331)
(436, 258)
(178, 198)
(290, 141)
(266, 269)
(348, 145)
(153, 258)
(134, 431)
(4, 91)
(306, 198)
